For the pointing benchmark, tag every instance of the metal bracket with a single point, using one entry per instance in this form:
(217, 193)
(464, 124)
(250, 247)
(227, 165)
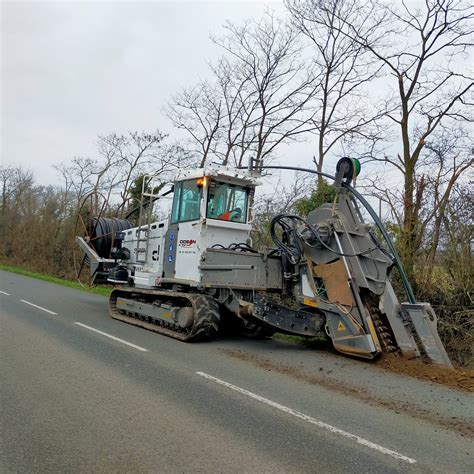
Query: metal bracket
(287, 320)
(424, 322)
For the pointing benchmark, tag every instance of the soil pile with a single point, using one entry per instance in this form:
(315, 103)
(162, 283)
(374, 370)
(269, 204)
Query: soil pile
(454, 378)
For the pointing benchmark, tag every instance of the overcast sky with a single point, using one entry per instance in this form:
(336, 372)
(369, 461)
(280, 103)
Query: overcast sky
(73, 70)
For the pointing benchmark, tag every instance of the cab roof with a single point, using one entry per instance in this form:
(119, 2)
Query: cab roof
(224, 173)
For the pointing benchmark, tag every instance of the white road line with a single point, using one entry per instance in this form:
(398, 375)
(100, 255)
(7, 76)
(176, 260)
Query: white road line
(309, 419)
(5, 293)
(39, 307)
(112, 337)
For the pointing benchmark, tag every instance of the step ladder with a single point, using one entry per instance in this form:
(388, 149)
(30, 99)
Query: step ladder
(144, 219)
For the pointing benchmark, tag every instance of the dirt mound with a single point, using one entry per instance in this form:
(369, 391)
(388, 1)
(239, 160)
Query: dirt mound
(454, 378)
(460, 379)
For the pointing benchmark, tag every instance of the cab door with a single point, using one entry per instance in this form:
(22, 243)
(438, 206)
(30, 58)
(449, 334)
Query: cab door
(183, 250)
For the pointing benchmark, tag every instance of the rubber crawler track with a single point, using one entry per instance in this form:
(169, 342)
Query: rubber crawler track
(206, 313)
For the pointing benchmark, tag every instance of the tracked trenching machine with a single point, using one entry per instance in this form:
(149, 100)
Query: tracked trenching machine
(327, 275)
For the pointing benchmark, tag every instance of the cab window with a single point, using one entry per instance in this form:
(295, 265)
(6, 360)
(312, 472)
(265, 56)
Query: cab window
(176, 202)
(186, 202)
(227, 202)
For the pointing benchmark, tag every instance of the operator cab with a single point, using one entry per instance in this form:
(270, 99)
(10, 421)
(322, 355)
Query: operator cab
(212, 194)
(210, 210)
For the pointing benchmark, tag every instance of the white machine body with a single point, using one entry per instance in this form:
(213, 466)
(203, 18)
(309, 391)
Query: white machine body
(210, 207)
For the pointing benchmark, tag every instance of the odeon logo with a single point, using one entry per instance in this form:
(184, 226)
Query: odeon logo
(186, 242)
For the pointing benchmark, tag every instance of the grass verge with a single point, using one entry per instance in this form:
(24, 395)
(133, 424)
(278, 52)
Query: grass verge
(98, 290)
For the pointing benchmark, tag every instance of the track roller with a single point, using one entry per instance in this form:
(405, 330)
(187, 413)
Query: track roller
(187, 317)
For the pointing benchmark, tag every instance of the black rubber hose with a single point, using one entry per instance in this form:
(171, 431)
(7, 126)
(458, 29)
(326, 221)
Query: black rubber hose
(290, 244)
(102, 233)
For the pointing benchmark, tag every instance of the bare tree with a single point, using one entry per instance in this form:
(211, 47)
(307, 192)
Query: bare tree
(283, 198)
(345, 70)
(77, 176)
(457, 238)
(260, 97)
(281, 86)
(17, 202)
(424, 49)
(198, 111)
(121, 159)
(136, 154)
(239, 107)
(6, 178)
(446, 161)
(448, 158)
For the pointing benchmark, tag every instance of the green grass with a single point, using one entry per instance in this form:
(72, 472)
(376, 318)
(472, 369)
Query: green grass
(98, 290)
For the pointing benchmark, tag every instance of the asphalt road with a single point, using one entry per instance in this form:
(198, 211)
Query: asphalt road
(76, 400)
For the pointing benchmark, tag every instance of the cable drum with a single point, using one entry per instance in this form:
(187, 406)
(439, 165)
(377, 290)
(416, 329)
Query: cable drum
(102, 232)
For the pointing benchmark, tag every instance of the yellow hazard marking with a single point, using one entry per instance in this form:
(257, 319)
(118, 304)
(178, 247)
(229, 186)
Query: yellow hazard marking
(374, 334)
(310, 302)
(341, 327)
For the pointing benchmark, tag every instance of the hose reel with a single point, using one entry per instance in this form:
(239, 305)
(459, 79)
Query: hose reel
(101, 233)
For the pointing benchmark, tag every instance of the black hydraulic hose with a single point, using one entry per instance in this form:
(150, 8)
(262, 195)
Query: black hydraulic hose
(294, 249)
(390, 244)
(396, 258)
